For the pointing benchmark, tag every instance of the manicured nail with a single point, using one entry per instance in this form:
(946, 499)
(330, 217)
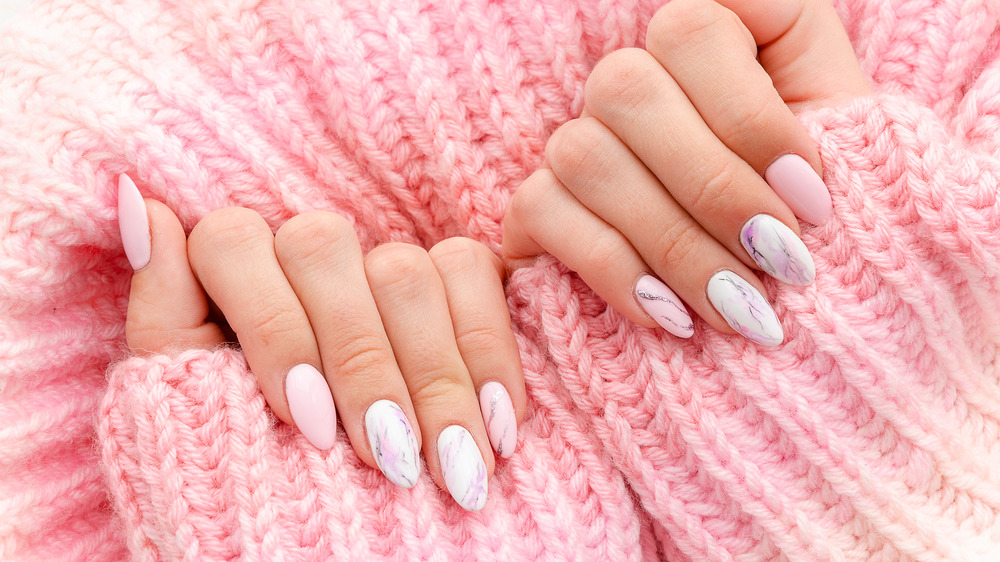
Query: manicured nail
(662, 305)
(777, 250)
(744, 308)
(311, 405)
(463, 467)
(393, 442)
(133, 223)
(800, 187)
(498, 412)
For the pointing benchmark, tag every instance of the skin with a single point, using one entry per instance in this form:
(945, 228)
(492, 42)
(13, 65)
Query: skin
(425, 329)
(667, 191)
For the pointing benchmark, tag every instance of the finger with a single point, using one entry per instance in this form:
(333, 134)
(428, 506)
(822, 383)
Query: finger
(231, 252)
(805, 50)
(472, 277)
(167, 307)
(627, 92)
(738, 101)
(612, 183)
(414, 308)
(322, 260)
(543, 214)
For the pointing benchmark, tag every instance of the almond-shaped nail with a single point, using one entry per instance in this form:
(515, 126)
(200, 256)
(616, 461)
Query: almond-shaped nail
(133, 223)
(311, 405)
(744, 308)
(800, 187)
(463, 467)
(393, 443)
(498, 413)
(663, 306)
(777, 250)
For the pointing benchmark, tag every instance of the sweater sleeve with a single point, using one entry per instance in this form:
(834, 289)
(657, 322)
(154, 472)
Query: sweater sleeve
(198, 469)
(871, 433)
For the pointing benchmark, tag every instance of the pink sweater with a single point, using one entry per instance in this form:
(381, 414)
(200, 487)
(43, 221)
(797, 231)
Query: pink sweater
(872, 433)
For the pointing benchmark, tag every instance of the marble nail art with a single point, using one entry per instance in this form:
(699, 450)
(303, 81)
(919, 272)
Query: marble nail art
(777, 250)
(744, 308)
(393, 443)
(498, 413)
(663, 306)
(463, 467)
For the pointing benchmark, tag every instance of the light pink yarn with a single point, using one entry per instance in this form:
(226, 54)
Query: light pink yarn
(871, 434)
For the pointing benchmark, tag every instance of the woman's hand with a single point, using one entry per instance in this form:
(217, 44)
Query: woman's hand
(661, 177)
(414, 347)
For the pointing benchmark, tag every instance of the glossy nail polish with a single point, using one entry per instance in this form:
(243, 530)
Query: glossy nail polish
(311, 405)
(498, 413)
(777, 250)
(744, 308)
(463, 467)
(800, 187)
(133, 223)
(663, 306)
(393, 443)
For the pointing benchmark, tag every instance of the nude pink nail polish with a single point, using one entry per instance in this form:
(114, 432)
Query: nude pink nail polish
(133, 223)
(498, 413)
(663, 306)
(800, 187)
(311, 405)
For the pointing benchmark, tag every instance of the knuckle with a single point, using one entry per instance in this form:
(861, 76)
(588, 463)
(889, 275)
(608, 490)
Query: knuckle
(716, 182)
(308, 235)
(530, 196)
(437, 385)
(270, 325)
(686, 22)
(620, 80)
(460, 253)
(398, 267)
(481, 338)
(228, 229)
(676, 244)
(576, 146)
(754, 117)
(362, 357)
(604, 252)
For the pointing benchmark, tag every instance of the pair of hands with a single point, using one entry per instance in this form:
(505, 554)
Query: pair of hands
(656, 186)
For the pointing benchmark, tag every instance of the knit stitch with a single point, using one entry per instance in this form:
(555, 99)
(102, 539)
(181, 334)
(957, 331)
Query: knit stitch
(871, 433)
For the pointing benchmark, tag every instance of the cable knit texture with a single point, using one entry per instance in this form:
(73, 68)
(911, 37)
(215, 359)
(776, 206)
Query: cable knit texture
(872, 433)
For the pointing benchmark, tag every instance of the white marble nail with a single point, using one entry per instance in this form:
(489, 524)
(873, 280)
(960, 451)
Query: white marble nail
(777, 250)
(463, 467)
(393, 443)
(744, 308)
(498, 413)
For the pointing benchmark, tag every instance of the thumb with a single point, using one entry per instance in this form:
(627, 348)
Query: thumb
(167, 308)
(804, 48)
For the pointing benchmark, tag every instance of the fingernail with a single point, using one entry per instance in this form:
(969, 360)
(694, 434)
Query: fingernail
(311, 405)
(463, 467)
(393, 442)
(501, 423)
(800, 187)
(744, 308)
(133, 223)
(662, 305)
(777, 250)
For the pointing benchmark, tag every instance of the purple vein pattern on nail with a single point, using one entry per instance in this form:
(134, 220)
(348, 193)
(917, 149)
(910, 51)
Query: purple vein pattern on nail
(393, 443)
(744, 308)
(463, 467)
(501, 422)
(777, 250)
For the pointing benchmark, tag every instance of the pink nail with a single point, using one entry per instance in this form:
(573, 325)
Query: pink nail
(498, 412)
(800, 187)
(662, 305)
(133, 223)
(311, 405)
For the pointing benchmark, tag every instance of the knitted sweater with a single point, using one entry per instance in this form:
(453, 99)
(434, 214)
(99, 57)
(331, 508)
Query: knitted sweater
(871, 433)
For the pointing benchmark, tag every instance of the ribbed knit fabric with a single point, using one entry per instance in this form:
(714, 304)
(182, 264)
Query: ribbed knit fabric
(872, 433)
